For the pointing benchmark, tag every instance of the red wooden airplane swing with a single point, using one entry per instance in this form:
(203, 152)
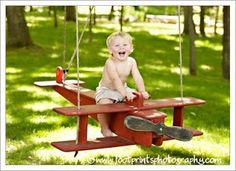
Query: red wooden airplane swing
(125, 136)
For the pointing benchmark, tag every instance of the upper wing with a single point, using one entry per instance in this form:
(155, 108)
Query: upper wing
(123, 107)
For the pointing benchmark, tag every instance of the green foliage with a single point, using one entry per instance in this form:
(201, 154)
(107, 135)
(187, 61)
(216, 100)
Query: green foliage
(135, 13)
(162, 10)
(31, 124)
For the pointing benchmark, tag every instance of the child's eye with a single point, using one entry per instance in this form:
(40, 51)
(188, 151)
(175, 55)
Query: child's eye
(116, 45)
(125, 44)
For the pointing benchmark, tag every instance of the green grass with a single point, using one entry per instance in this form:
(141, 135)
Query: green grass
(32, 125)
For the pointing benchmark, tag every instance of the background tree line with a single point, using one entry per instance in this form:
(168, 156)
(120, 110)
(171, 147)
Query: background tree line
(18, 33)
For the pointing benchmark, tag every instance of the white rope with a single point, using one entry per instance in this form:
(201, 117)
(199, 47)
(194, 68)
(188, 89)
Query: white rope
(180, 58)
(80, 38)
(78, 86)
(77, 57)
(64, 52)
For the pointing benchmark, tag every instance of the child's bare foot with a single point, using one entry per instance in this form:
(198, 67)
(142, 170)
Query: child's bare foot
(106, 132)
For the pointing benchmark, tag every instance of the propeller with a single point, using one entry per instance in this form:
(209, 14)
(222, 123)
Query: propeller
(140, 124)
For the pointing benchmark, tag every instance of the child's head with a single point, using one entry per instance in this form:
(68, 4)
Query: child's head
(120, 44)
(119, 34)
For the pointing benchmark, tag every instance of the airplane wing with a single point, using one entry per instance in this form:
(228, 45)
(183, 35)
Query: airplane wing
(94, 109)
(123, 107)
(54, 83)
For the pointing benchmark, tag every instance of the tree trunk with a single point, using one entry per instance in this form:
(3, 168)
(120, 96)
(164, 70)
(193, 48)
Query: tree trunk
(216, 20)
(70, 13)
(31, 9)
(90, 24)
(186, 20)
(55, 16)
(226, 43)
(94, 16)
(111, 15)
(49, 10)
(18, 32)
(202, 21)
(192, 61)
(121, 17)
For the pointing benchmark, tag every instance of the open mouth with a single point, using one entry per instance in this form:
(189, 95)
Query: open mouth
(122, 53)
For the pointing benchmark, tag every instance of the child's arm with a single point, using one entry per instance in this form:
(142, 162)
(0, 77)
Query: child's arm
(138, 79)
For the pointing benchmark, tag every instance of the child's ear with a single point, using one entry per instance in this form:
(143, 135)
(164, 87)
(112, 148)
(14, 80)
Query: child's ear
(109, 50)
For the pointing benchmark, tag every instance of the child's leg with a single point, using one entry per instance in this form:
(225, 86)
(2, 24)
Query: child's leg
(104, 119)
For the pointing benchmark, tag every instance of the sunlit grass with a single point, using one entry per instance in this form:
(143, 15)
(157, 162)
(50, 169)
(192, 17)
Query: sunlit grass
(12, 70)
(207, 43)
(154, 28)
(35, 21)
(39, 106)
(206, 67)
(14, 145)
(176, 70)
(89, 69)
(164, 84)
(44, 119)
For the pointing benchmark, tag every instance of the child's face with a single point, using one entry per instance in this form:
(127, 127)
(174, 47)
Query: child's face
(120, 48)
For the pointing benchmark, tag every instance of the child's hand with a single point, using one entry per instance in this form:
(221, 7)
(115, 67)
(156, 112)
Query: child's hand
(130, 96)
(145, 95)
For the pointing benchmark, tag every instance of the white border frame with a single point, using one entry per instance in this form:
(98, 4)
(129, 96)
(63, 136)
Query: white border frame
(231, 3)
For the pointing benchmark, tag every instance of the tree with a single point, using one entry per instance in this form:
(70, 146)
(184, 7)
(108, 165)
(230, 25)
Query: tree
(49, 10)
(111, 15)
(226, 43)
(70, 13)
(55, 16)
(216, 19)
(18, 32)
(31, 8)
(90, 24)
(94, 15)
(186, 21)
(192, 61)
(121, 18)
(202, 21)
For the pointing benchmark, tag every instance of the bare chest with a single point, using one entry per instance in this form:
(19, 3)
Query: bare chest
(123, 69)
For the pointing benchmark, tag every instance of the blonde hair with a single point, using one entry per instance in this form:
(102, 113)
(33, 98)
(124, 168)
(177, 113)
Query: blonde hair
(119, 34)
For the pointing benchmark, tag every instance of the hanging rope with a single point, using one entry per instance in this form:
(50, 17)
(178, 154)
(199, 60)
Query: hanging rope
(79, 40)
(64, 52)
(75, 50)
(78, 86)
(77, 57)
(180, 58)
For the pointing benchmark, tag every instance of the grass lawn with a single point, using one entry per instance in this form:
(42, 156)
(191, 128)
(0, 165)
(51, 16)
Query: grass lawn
(31, 124)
